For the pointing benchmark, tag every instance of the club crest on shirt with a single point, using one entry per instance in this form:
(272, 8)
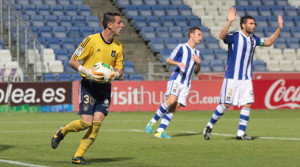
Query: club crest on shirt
(113, 53)
(228, 98)
(79, 51)
(251, 92)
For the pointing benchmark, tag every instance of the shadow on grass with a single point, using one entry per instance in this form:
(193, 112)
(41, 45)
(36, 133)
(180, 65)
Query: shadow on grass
(185, 134)
(100, 160)
(5, 147)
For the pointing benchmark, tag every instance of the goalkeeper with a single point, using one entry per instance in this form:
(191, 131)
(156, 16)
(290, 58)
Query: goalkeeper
(94, 96)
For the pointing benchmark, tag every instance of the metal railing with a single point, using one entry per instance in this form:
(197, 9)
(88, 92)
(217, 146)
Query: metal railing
(19, 39)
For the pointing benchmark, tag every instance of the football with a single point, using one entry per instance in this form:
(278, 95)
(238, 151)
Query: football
(103, 68)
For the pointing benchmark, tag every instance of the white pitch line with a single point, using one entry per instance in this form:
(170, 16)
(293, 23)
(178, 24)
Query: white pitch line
(20, 163)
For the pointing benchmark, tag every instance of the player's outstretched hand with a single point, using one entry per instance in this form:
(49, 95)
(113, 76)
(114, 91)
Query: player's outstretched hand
(280, 22)
(113, 75)
(232, 14)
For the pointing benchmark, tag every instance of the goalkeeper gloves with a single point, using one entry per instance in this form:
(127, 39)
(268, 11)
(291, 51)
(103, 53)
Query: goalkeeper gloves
(91, 74)
(113, 75)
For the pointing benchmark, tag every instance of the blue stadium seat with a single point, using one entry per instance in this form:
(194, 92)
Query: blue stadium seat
(145, 10)
(22, 2)
(212, 42)
(97, 29)
(162, 32)
(185, 10)
(131, 11)
(49, 77)
(53, 43)
(29, 10)
(153, 21)
(277, 10)
(78, 21)
(288, 21)
(37, 21)
(36, 2)
(268, 3)
(285, 33)
(242, 3)
(176, 2)
(172, 10)
(205, 68)
(259, 62)
(76, 2)
(163, 2)
(170, 43)
(251, 10)
(78, 41)
(205, 63)
(158, 10)
(64, 77)
(164, 54)
(59, 32)
(181, 21)
(61, 54)
(129, 69)
(137, 2)
(270, 30)
(139, 22)
(65, 21)
(194, 21)
(259, 31)
(216, 63)
(281, 2)
(122, 3)
(73, 32)
(51, 20)
(43, 10)
(86, 31)
(207, 54)
(84, 10)
(68, 43)
(255, 2)
(70, 10)
(63, 2)
(264, 11)
(43, 41)
(217, 68)
(76, 77)
(67, 68)
(290, 11)
(150, 2)
(182, 40)
(136, 77)
(126, 76)
(260, 68)
(50, 2)
(240, 10)
(157, 44)
(293, 43)
(92, 21)
(220, 54)
(280, 43)
(148, 33)
(261, 21)
(176, 32)
(57, 10)
(167, 21)
(45, 32)
(296, 32)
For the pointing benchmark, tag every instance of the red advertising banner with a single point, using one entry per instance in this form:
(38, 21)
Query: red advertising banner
(148, 95)
(276, 94)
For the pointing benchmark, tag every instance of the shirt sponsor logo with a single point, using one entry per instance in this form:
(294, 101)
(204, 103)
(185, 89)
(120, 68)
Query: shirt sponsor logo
(113, 53)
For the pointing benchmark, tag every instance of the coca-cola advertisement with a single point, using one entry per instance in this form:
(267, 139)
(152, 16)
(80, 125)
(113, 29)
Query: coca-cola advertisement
(276, 94)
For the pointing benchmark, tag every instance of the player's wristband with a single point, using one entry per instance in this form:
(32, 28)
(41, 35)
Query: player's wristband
(82, 69)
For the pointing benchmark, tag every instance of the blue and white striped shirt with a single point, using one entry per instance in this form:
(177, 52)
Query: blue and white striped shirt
(240, 55)
(184, 54)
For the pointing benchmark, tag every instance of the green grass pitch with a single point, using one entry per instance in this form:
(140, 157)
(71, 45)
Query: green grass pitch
(123, 142)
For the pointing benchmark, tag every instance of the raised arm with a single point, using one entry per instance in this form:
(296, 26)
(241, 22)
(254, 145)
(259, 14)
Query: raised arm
(273, 38)
(231, 17)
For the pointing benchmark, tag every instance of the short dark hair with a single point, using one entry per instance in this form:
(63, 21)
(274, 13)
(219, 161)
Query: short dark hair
(193, 29)
(244, 20)
(109, 17)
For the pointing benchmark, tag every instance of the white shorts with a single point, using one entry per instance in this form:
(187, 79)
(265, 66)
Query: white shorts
(237, 92)
(179, 90)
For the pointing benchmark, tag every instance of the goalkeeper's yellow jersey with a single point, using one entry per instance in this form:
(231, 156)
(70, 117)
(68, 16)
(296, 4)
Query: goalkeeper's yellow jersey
(94, 49)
